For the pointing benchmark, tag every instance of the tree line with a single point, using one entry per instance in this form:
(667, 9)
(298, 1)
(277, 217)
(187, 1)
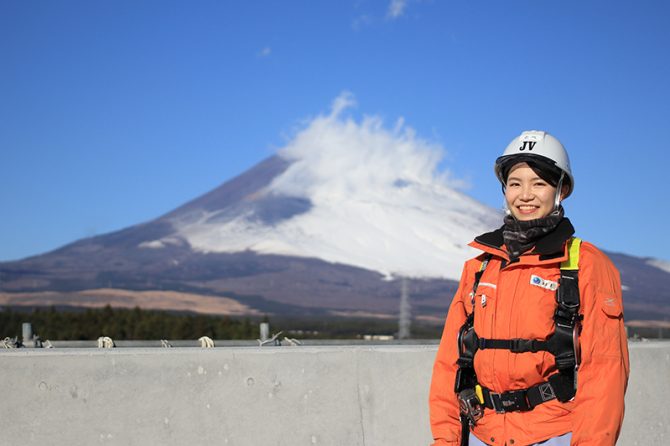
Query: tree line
(124, 324)
(76, 324)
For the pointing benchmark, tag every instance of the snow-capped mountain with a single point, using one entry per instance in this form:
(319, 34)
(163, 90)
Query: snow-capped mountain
(350, 193)
(324, 227)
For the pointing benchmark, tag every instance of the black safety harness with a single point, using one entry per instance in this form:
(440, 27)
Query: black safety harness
(563, 344)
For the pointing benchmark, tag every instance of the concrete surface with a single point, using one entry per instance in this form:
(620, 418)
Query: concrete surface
(328, 395)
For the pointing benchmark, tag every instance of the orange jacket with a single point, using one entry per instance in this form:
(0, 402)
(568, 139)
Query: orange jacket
(508, 306)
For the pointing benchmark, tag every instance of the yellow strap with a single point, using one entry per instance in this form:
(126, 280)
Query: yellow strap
(480, 393)
(572, 263)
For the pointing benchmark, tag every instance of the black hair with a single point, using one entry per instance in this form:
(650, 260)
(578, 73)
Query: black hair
(547, 170)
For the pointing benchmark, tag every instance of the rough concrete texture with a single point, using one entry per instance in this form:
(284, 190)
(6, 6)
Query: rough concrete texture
(344, 396)
(647, 420)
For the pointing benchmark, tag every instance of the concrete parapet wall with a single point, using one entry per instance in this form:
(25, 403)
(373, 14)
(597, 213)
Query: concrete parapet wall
(344, 396)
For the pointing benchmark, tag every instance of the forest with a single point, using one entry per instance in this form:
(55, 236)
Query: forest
(138, 324)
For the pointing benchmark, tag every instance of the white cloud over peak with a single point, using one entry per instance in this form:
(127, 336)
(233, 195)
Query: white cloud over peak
(339, 156)
(377, 200)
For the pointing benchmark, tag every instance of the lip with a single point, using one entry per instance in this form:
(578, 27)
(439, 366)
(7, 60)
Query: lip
(527, 209)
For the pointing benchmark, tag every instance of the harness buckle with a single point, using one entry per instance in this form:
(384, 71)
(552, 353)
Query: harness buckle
(509, 401)
(523, 345)
(567, 294)
(546, 392)
(470, 406)
(496, 402)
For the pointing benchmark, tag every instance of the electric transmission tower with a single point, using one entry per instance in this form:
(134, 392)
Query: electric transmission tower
(405, 320)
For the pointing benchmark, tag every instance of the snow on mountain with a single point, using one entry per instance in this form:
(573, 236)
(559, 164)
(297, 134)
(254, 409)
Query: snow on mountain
(353, 192)
(660, 264)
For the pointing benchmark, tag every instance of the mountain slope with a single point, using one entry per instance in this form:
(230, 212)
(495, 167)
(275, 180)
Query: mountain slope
(329, 225)
(344, 192)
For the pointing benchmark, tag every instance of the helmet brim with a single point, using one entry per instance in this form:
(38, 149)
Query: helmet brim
(539, 163)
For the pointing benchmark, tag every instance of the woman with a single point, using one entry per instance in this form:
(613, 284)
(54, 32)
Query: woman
(534, 349)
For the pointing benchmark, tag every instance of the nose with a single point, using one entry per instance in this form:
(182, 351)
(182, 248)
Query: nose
(526, 193)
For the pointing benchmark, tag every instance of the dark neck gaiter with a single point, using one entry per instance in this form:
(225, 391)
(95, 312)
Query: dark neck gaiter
(520, 236)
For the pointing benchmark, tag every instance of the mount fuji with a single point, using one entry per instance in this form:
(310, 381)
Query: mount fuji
(329, 225)
(343, 192)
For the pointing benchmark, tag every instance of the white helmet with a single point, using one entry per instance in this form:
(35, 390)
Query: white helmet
(539, 147)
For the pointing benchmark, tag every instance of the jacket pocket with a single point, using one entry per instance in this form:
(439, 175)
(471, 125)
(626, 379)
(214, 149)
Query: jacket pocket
(609, 331)
(610, 304)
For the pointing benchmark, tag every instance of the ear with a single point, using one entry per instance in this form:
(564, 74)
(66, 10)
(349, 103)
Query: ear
(564, 191)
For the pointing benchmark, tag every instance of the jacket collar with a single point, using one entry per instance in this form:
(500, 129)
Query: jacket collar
(549, 247)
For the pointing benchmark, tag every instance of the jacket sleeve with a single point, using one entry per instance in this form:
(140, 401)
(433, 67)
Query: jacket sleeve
(444, 412)
(603, 373)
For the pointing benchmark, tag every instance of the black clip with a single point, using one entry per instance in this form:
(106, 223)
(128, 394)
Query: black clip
(523, 345)
(546, 392)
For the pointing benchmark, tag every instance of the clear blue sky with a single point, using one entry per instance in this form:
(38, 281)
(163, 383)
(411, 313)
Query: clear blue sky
(115, 112)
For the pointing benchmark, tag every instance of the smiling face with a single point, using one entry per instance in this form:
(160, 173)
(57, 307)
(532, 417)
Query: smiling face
(527, 195)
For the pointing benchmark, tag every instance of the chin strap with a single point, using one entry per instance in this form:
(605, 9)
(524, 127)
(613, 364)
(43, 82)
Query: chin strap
(557, 197)
(505, 208)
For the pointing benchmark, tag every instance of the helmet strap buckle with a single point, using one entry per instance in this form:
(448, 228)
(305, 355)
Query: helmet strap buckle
(557, 197)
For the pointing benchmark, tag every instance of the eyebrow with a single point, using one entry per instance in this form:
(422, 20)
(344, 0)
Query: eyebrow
(536, 177)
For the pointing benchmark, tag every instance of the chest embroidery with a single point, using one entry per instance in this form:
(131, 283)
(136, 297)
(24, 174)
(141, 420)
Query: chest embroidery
(543, 283)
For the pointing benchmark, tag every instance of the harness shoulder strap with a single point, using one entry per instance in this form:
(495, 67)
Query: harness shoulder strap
(572, 262)
(478, 277)
(567, 321)
(567, 295)
(468, 340)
